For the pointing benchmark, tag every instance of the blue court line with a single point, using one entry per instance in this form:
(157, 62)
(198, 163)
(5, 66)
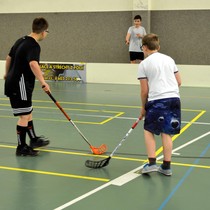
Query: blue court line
(183, 179)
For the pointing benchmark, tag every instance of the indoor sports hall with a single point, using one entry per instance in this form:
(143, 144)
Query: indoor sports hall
(98, 104)
(58, 177)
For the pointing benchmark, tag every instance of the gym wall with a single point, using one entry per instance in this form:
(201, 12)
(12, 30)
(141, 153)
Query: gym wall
(99, 36)
(94, 32)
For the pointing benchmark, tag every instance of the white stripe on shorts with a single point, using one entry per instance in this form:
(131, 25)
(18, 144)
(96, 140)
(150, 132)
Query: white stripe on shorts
(22, 110)
(22, 88)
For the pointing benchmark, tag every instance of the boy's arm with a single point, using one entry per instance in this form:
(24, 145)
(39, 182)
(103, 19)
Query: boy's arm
(7, 65)
(178, 78)
(38, 74)
(127, 38)
(144, 95)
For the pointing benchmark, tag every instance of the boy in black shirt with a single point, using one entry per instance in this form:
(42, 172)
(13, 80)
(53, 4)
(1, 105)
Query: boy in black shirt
(22, 67)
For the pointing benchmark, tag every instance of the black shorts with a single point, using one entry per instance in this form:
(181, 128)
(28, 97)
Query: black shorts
(21, 107)
(136, 56)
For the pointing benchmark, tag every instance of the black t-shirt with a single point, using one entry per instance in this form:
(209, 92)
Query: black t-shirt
(20, 75)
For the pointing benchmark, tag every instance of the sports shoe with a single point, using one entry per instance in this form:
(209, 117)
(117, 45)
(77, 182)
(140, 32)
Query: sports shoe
(149, 168)
(39, 141)
(26, 151)
(166, 172)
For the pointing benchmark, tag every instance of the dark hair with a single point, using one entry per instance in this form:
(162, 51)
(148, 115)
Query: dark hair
(151, 41)
(137, 17)
(39, 25)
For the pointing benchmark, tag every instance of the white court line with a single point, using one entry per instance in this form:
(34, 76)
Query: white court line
(188, 143)
(124, 178)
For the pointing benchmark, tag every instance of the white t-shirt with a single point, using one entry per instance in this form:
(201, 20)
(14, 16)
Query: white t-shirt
(135, 42)
(159, 70)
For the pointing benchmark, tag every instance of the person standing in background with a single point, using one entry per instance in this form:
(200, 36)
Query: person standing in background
(134, 40)
(22, 67)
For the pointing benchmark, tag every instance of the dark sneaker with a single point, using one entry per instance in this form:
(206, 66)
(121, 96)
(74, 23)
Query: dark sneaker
(39, 141)
(26, 151)
(166, 172)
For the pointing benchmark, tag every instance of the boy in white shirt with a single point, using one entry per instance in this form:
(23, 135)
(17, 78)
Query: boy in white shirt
(161, 107)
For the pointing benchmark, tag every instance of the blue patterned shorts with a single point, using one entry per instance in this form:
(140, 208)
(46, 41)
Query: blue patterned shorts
(163, 116)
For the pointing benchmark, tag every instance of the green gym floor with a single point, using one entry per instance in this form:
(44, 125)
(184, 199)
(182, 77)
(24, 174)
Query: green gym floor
(58, 178)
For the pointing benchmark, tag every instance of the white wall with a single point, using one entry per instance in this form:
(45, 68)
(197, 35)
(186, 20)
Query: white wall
(192, 76)
(179, 4)
(27, 6)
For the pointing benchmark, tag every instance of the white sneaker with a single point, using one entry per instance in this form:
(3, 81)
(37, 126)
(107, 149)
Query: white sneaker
(166, 172)
(149, 168)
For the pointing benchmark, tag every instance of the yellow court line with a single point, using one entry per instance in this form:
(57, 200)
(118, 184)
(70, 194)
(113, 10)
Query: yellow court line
(117, 114)
(57, 151)
(81, 122)
(190, 165)
(174, 163)
(103, 156)
(65, 121)
(84, 154)
(182, 130)
(5, 105)
(74, 109)
(80, 103)
(54, 120)
(111, 118)
(54, 174)
(192, 110)
(93, 104)
(77, 153)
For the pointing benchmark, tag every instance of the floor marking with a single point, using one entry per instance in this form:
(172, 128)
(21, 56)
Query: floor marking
(94, 104)
(182, 130)
(191, 165)
(114, 157)
(78, 153)
(129, 176)
(109, 118)
(82, 197)
(186, 144)
(54, 174)
(176, 153)
(119, 181)
(183, 179)
(125, 178)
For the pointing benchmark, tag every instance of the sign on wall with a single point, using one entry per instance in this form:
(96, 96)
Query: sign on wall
(75, 72)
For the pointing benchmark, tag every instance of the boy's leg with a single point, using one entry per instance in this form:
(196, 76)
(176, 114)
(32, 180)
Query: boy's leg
(167, 146)
(150, 144)
(23, 149)
(151, 148)
(167, 143)
(35, 141)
